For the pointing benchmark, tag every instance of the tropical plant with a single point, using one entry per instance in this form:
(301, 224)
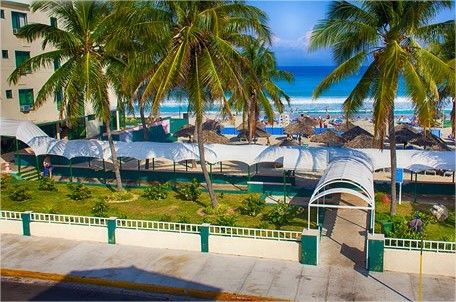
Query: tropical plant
(259, 87)
(203, 58)
(46, 184)
(79, 191)
(252, 205)
(386, 35)
(191, 192)
(100, 208)
(157, 192)
(89, 67)
(281, 214)
(20, 193)
(226, 220)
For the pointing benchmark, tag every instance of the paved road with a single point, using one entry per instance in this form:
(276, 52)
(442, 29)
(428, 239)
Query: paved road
(14, 289)
(215, 273)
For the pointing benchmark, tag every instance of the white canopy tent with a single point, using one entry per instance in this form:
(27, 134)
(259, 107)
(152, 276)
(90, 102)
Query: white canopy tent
(347, 175)
(293, 158)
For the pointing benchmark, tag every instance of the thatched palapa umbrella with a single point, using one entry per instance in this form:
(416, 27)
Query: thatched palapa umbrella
(362, 141)
(329, 138)
(345, 126)
(404, 134)
(185, 131)
(303, 126)
(211, 137)
(287, 143)
(259, 132)
(430, 142)
(245, 125)
(354, 132)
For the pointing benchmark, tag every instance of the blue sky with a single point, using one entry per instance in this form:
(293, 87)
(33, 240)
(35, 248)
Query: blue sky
(291, 23)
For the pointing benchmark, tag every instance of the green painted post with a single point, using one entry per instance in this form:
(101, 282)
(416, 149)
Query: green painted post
(174, 166)
(375, 252)
(139, 172)
(71, 172)
(26, 218)
(221, 167)
(309, 247)
(416, 182)
(153, 164)
(104, 165)
(204, 233)
(18, 159)
(112, 223)
(37, 163)
(284, 186)
(186, 166)
(256, 169)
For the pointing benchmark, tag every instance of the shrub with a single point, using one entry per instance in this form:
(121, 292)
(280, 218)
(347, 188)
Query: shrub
(183, 219)
(382, 197)
(157, 192)
(100, 208)
(122, 216)
(221, 209)
(282, 214)
(5, 181)
(263, 225)
(20, 193)
(226, 220)
(190, 192)
(78, 191)
(46, 184)
(50, 210)
(252, 205)
(165, 218)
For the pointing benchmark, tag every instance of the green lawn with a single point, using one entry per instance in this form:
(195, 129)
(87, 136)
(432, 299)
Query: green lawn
(173, 208)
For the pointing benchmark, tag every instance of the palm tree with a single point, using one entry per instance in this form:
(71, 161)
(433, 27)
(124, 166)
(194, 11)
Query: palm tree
(385, 35)
(259, 87)
(442, 44)
(203, 57)
(80, 44)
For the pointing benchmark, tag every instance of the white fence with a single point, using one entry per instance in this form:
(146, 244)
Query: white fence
(415, 245)
(68, 219)
(254, 233)
(158, 226)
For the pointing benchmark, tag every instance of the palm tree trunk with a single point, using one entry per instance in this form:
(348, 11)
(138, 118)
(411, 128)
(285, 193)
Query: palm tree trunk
(393, 159)
(251, 120)
(144, 127)
(453, 119)
(199, 129)
(114, 157)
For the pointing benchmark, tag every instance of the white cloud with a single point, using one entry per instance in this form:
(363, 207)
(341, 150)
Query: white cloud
(299, 43)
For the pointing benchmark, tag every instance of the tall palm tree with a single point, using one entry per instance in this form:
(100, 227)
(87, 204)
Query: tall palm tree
(203, 57)
(259, 87)
(80, 44)
(385, 35)
(442, 43)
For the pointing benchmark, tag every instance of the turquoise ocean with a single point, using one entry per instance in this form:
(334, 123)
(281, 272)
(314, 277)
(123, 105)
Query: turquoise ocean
(306, 78)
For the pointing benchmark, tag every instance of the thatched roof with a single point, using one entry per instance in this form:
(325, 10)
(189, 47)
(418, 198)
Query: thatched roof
(259, 132)
(404, 134)
(361, 141)
(345, 126)
(329, 138)
(354, 132)
(185, 131)
(430, 142)
(302, 128)
(213, 125)
(287, 143)
(211, 137)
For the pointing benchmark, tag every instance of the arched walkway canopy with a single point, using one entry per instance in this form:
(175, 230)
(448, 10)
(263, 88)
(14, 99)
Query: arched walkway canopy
(349, 175)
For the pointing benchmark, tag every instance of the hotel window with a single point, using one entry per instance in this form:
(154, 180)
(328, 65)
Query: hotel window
(2, 14)
(4, 54)
(26, 99)
(53, 22)
(9, 94)
(21, 57)
(19, 20)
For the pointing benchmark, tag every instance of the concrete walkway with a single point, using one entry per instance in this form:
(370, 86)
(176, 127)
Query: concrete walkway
(214, 273)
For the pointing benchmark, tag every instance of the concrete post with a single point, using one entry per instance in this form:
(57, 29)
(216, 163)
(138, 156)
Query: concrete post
(26, 218)
(112, 223)
(310, 241)
(375, 252)
(204, 232)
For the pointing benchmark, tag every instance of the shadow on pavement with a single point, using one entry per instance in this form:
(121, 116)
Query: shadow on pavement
(130, 278)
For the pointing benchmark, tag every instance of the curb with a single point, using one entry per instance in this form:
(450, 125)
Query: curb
(196, 293)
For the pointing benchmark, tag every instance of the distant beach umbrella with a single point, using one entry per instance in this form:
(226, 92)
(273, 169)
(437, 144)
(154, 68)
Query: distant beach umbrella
(185, 131)
(329, 138)
(361, 142)
(259, 132)
(345, 126)
(430, 142)
(304, 126)
(211, 137)
(354, 132)
(287, 143)
(213, 125)
(245, 125)
(404, 134)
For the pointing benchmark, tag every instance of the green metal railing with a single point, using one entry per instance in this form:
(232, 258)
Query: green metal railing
(415, 245)
(158, 226)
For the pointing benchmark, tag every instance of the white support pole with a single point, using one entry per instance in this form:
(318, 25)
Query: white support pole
(117, 119)
(400, 192)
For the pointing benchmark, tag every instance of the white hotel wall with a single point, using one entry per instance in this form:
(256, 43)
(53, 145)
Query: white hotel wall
(69, 231)
(285, 250)
(442, 264)
(163, 240)
(11, 227)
